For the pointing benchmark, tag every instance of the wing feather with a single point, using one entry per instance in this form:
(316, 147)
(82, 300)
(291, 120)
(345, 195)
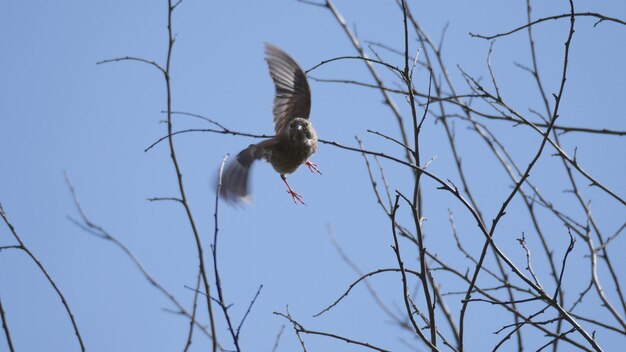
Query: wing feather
(293, 97)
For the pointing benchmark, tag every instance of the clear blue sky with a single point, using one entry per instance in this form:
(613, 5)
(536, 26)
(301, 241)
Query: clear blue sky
(62, 112)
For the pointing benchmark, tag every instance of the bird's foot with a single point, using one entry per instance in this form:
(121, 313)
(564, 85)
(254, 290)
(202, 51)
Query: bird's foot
(296, 197)
(313, 167)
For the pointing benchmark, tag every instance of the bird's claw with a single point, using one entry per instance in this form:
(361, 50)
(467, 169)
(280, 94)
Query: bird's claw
(296, 197)
(313, 167)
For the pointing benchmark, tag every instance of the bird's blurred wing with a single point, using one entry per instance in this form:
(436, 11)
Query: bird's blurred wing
(293, 97)
(235, 177)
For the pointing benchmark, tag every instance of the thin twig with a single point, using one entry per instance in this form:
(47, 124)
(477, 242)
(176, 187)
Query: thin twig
(130, 58)
(529, 267)
(501, 213)
(416, 204)
(611, 238)
(405, 289)
(369, 287)
(258, 292)
(493, 78)
(96, 230)
(364, 279)
(192, 319)
(179, 175)
(183, 113)
(387, 98)
(278, 336)
(297, 328)
(218, 282)
(5, 327)
(372, 181)
(300, 329)
(379, 62)
(549, 18)
(48, 277)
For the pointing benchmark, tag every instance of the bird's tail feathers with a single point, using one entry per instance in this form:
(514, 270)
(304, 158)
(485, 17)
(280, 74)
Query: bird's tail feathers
(235, 177)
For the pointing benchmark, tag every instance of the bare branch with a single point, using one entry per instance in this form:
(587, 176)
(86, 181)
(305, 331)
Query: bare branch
(96, 230)
(179, 175)
(363, 278)
(192, 319)
(248, 310)
(138, 59)
(529, 267)
(379, 62)
(396, 250)
(300, 329)
(5, 327)
(43, 270)
(278, 336)
(556, 17)
(218, 282)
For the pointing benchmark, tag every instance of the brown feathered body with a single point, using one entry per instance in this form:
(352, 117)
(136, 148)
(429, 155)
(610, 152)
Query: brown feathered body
(292, 149)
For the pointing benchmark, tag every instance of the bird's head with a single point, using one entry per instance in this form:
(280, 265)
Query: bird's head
(300, 130)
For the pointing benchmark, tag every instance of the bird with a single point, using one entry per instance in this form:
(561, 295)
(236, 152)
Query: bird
(295, 139)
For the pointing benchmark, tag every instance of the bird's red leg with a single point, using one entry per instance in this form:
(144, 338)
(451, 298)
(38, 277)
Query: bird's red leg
(296, 197)
(313, 167)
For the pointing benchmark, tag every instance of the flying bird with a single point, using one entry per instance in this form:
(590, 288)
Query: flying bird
(295, 139)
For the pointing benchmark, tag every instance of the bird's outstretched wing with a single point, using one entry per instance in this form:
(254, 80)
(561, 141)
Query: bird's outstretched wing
(293, 97)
